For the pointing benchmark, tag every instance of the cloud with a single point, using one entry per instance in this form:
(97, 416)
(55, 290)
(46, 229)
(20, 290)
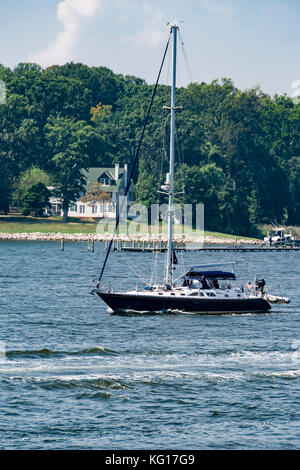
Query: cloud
(296, 87)
(152, 32)
(71, 14)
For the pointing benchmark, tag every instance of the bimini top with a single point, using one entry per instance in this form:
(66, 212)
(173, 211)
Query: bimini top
(196, 273)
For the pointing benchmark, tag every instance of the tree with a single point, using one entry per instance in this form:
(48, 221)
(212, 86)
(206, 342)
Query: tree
(95, 194)
(6, 184)
(203, 184)
(146, 188)
(68, 117)
(36, 199)
(71, 145)
(27, 179)
(294, 168)
(19, 141)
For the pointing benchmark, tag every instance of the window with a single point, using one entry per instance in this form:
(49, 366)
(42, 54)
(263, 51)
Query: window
(108, 207)
(94, 209)
(82, 209)
(104, 181)
(73, 208)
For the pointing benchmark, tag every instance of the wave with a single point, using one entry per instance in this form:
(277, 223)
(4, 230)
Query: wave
(83, 383)
(95, 383)
(284, 374)
(109, 383)
(148, 358)
(47, 353)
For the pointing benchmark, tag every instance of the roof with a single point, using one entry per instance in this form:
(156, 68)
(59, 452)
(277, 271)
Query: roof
(93, 173)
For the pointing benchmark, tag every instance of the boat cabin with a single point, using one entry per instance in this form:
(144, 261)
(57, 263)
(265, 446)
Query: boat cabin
(279, 237)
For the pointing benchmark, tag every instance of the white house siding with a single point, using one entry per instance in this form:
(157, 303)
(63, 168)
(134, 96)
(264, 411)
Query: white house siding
(81, 210)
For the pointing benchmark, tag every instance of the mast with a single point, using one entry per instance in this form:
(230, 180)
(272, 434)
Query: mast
(170, 175)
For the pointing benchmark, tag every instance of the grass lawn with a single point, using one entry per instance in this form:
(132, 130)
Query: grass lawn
(21, 224)
(27, 224)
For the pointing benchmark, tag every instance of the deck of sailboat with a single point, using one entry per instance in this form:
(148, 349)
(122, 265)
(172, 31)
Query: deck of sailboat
(185, 292)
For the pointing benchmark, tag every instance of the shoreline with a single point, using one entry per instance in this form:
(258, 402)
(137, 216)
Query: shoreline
(84, 237)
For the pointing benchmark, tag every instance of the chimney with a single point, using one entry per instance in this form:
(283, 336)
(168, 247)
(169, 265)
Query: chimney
(117, 171)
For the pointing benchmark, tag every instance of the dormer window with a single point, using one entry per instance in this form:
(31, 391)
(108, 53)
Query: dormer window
(104, 181)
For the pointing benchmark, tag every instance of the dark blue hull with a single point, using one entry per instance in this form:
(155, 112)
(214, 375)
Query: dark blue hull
(144, 303)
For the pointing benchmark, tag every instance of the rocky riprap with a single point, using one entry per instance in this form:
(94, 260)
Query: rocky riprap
(81, 237)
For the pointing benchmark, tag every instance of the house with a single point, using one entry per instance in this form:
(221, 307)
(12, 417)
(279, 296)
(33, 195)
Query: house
(112, 183)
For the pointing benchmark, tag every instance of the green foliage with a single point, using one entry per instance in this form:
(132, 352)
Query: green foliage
(36, 199)
(294, 186)
(28, 179)
(238, 152)
(203, 185)
(100, 112)
(146, 188)
(71, 144)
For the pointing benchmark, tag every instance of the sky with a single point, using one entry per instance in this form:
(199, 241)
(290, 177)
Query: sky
(253, 42)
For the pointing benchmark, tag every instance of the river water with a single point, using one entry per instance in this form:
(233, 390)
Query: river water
(74, 376)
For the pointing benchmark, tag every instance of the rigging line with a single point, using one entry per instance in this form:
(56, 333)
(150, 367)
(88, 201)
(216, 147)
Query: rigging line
(136, 271)
(164, 154)
(164, 137)
(165, 90)
(182, 261)
(185, 57)
(134, 163)
(180, 154)
(154, 272)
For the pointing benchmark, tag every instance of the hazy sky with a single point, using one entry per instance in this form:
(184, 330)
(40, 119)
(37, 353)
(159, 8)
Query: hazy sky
(253, 42)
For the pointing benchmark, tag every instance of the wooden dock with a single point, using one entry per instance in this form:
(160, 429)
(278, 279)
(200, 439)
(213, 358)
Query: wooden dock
(161, 247)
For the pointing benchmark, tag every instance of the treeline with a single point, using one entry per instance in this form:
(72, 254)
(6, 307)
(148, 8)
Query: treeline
(238, 152)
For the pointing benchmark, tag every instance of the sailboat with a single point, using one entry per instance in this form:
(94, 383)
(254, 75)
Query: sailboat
(202, 289)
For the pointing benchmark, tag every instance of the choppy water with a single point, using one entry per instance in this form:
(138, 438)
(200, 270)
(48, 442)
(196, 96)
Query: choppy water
(75, 377)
